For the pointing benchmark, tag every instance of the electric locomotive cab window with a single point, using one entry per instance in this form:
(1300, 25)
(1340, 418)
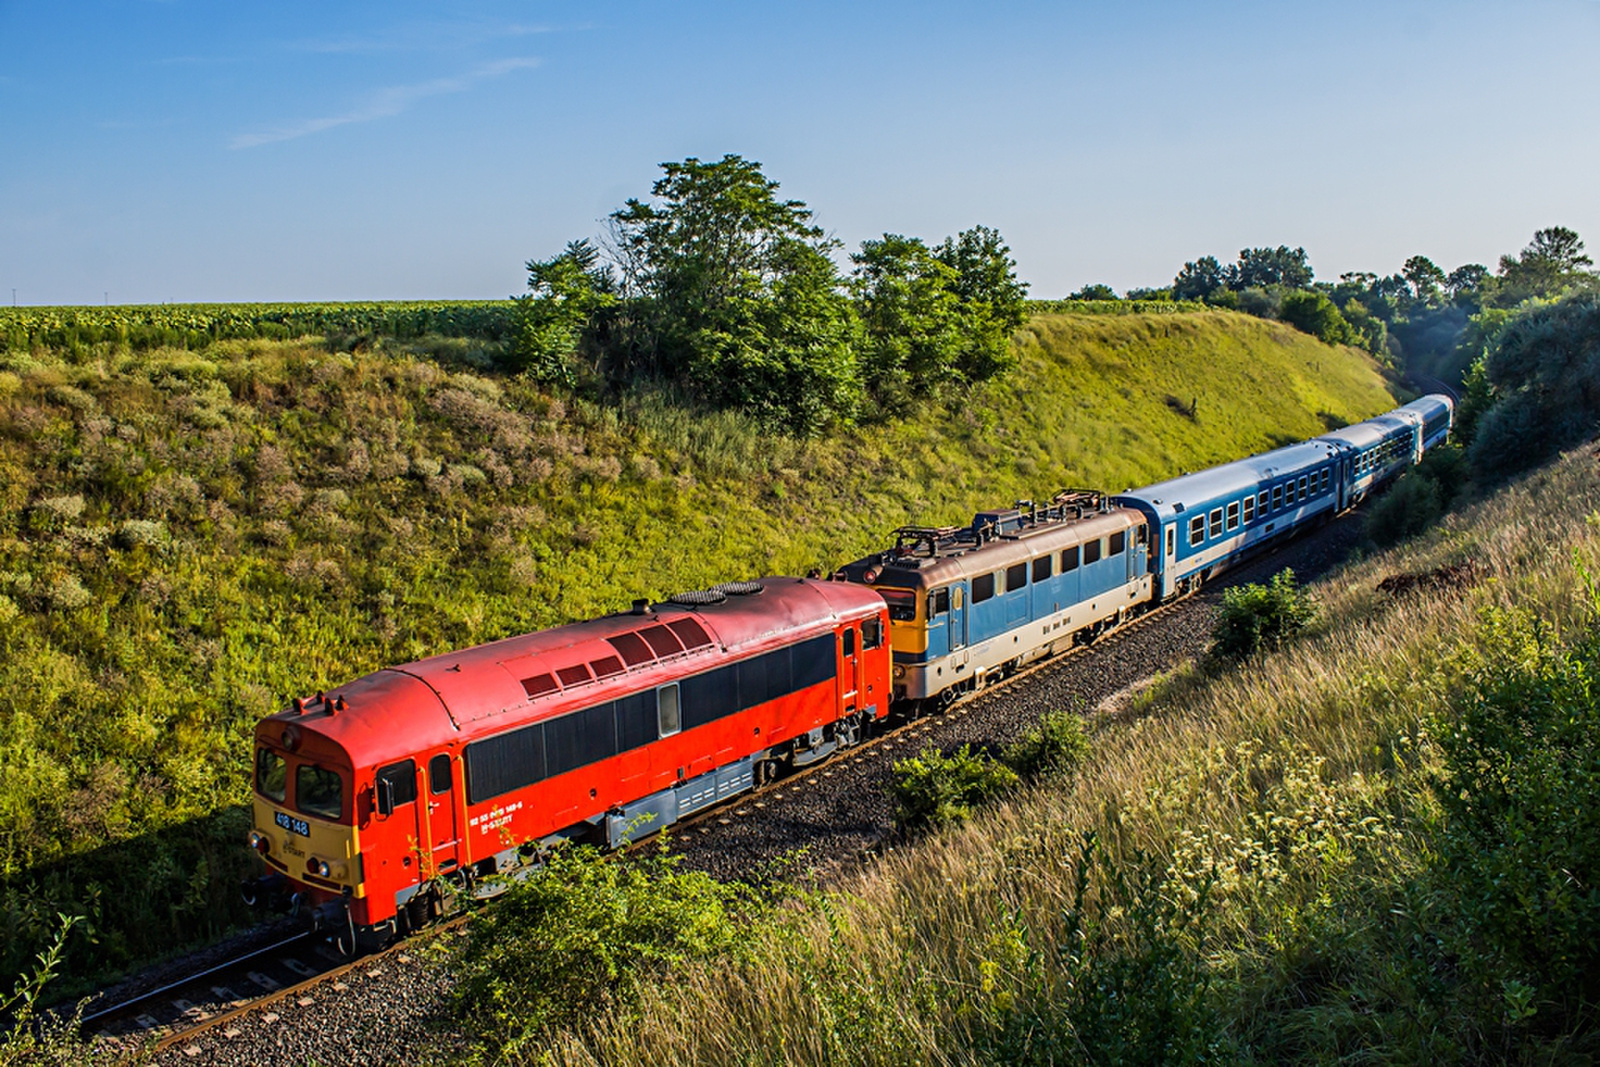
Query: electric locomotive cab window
(272, 775)
(1249, 509)
(871, 633)
(1216, 522)
(318, 791)
(939, 601)
(1233, 515)
(1091, 551)
(1016, 577)
(902, 604)
(1197, 529)
(1117, 543)
(1041, 568)
(982, 588)
(667, 719)
(1069, 559)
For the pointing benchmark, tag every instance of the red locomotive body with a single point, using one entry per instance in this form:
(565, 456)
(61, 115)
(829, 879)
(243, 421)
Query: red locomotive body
(373, 798)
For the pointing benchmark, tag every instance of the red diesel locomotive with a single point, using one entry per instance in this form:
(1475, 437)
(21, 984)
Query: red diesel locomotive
(375, 798)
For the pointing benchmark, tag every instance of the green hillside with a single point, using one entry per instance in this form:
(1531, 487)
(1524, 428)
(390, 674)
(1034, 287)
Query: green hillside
(189, 538)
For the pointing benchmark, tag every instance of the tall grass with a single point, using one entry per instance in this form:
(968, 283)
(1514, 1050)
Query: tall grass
(1245, 871)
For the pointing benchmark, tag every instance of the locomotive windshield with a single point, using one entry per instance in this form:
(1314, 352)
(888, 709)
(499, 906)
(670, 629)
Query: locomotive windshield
(318, 791)
(902, 603)
(272, 774)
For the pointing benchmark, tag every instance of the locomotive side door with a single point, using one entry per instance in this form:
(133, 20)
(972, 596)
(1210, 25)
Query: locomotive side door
(443, 834)
(957, 626)
(849, 668)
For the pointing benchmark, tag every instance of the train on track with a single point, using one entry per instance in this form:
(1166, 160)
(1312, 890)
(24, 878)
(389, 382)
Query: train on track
(379, 803)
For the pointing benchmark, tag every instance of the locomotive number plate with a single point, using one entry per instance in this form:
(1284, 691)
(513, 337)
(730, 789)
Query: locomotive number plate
(293, 825)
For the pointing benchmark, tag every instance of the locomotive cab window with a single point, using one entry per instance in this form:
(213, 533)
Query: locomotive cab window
(272, 775)
(1118, 543)
(397, 785)
(902, 604)
(871, 633)
(939, 601)
(318, 791)
(1016, 577)
(667, 720)
(439, 774)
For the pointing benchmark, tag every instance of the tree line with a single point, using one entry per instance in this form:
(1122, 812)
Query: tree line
(716, 286)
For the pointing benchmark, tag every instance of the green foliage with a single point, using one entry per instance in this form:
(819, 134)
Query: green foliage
(564, 293)
(1312, 312)
(1256, 617)
(1544, 374)
(572, 941)
(993, 300)
(1410, 506)
(37, 1039)
(934, 789)
(1059, 741)
(1518, 858)
(1094, 291)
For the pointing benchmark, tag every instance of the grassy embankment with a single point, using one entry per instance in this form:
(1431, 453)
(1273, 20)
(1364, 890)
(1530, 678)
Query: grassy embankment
(189, 538)
(1373, 845)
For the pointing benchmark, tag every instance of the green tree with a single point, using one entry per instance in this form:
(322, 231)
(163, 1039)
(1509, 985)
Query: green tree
(563, 294)
(1200, 278)
(1312, 312)
(1262, 267)
(993, 300)
(1094, 291)
(743, 300)
(1553, 261)
(1425, 277)
(911, 320)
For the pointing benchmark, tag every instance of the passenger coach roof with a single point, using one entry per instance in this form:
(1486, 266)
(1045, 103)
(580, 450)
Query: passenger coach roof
(433, 701)
(1230, 479)
(1367, 433)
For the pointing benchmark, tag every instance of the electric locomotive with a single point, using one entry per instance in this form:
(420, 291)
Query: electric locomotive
(377, 801)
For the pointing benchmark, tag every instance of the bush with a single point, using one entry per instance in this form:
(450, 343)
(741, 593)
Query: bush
(1410, 507)
(571, 941)
(1258, 616)
(935, 789)
(1312, 312)
(1059, 741)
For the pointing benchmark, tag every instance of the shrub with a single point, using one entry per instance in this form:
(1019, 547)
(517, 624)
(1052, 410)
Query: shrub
(1059, 741)
(935, 789)
(1258, 616)
(1312, 312)
(571, 940)
(1410, 507)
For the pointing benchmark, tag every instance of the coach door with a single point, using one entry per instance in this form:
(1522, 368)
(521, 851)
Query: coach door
(444, 835)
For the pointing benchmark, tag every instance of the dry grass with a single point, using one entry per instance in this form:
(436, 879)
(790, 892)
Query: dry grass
(1278, 789)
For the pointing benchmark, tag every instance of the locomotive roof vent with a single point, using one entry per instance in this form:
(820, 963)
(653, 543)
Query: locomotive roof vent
(737, 588)
(698, 598)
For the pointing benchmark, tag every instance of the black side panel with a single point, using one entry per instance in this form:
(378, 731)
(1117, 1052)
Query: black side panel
(500, 764)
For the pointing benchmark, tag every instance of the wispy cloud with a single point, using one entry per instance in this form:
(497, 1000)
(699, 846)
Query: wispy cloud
(420, 36)
(386, 103)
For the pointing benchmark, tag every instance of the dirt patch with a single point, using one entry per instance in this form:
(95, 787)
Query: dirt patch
(1452, 576)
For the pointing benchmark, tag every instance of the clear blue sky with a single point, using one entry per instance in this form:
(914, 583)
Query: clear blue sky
(180, 150)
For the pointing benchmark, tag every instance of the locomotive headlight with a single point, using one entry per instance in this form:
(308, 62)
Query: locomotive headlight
(260, 842)
(899, 670)
(317, 867)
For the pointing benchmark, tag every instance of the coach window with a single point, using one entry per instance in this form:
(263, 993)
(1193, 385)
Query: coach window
(871, 633)
(1263, 501)
(1117, 543)
(1172, 539)
(938, 602)
(1016, 577)
(1249, 509)
(667, 720)
(982, 588)
(1091, 551)
(1069, 559)
(272, 775)
(1327, 476)
(318, 791)
(1302, 487)
(1041, 568)
(439, 774)
(1233, 515)
(1216, 522)
(1197, 529)
(1277, 497)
